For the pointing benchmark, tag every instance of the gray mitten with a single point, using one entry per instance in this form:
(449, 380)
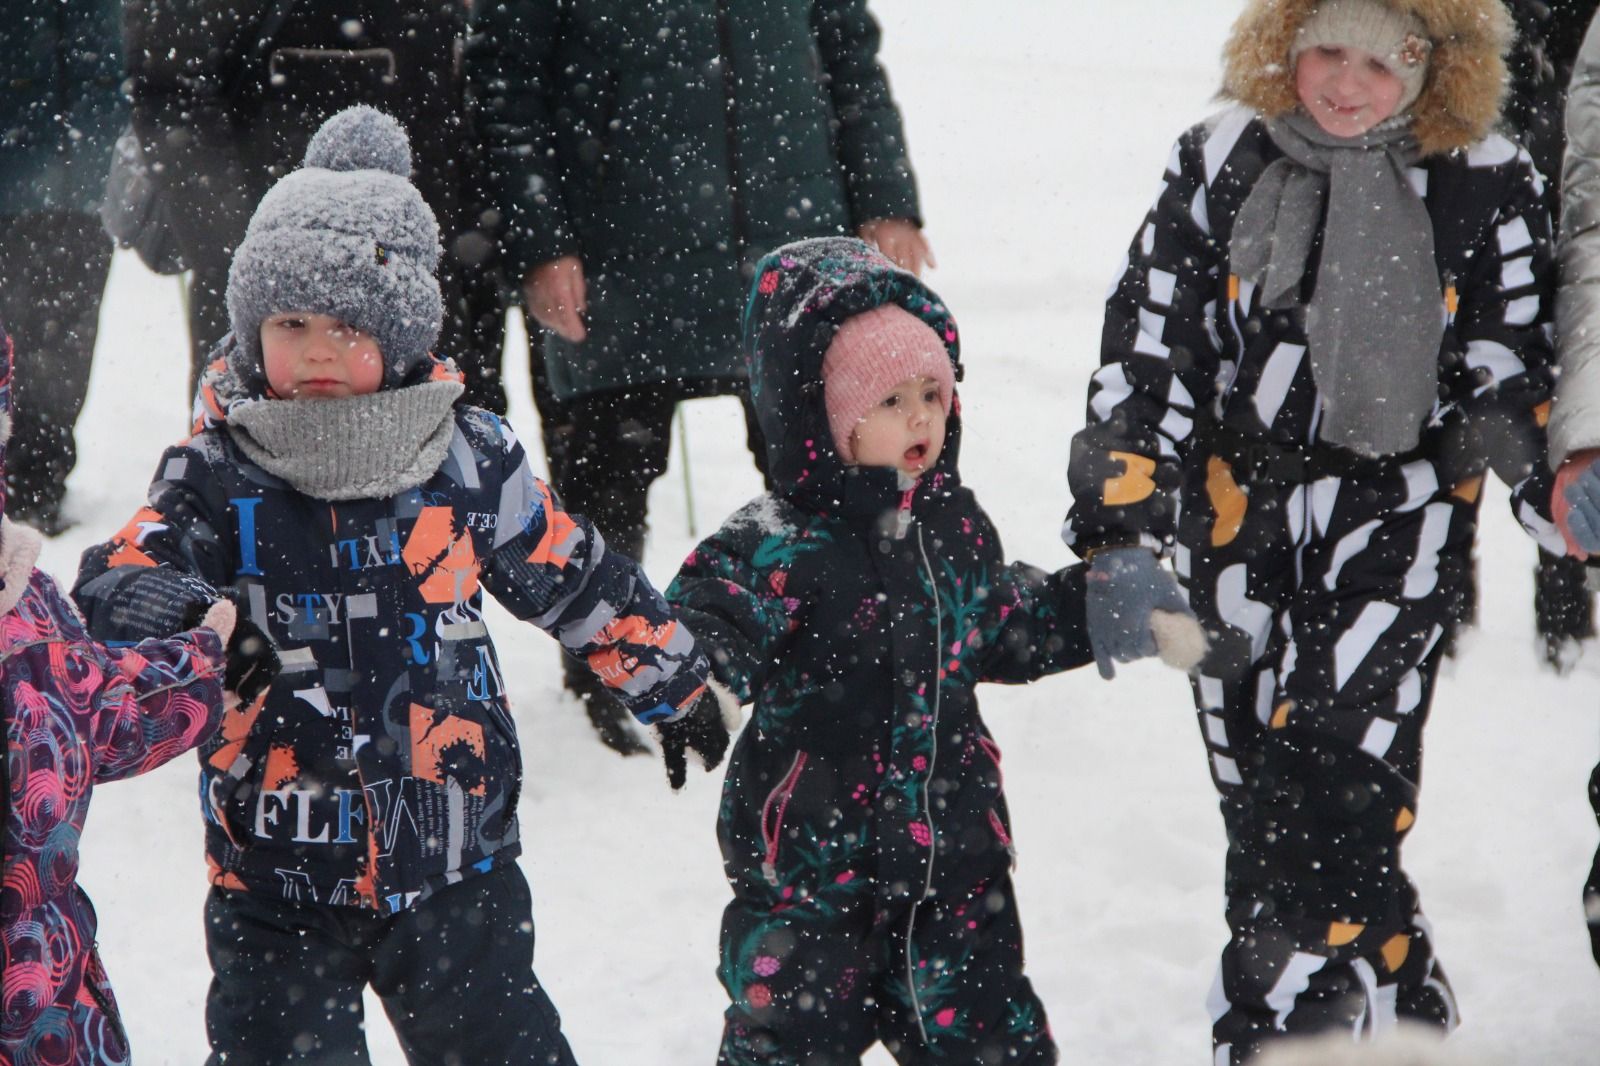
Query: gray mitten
(1583, 514)
(1135, 609)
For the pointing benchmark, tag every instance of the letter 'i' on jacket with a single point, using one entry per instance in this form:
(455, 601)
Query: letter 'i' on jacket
(858, 618)
(383, 763)
(76, 714)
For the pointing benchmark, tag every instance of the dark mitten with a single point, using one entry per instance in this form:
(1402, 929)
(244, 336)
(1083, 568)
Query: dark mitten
(252, 661)
(1563, 608)
(1124, 588)
(703, 730)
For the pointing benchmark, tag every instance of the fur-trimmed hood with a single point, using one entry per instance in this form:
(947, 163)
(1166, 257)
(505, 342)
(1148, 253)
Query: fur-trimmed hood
(1467, 77)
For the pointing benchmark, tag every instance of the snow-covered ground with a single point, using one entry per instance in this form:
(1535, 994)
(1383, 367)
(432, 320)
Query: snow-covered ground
(1038, 129)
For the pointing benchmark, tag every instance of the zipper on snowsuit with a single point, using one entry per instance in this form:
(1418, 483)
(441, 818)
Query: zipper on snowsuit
(772, 812)
(933, 729)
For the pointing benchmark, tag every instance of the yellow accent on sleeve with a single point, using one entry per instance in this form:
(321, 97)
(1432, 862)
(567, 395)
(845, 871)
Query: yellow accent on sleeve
(1395, 950)
(1228, 501)
(1342, 933)
(1134, 484)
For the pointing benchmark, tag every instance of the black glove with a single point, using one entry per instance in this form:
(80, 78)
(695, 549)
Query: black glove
(252, 661)
(703, 730)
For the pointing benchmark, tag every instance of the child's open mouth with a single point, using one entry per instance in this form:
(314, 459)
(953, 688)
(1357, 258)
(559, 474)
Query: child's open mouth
(916, 453)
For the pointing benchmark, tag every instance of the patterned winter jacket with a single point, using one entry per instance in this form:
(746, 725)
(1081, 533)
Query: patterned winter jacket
(1186, 342)
(76, 714)
(858, 618)
(384, 764)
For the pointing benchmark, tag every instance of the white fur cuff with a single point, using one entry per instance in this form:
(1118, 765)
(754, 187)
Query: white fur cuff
(1180, 641)
(221, 617)
(728, 703)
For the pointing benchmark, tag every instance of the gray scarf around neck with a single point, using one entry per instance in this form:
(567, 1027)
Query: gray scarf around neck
(1375, 319)
(353, 447)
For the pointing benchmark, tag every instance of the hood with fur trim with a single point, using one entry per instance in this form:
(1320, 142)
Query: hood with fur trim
(1466, 72)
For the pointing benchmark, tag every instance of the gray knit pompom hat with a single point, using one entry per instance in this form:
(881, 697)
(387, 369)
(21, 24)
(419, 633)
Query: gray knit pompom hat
(347, 235)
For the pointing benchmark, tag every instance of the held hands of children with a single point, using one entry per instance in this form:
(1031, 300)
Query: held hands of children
(705, 730)
(250, 658)
(1135, 610)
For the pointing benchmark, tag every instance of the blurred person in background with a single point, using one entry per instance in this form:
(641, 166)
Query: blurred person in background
(62, 108)
(643, 157)
(226, 93)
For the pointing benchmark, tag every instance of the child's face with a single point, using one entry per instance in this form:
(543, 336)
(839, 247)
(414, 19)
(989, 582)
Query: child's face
(1347, 90)
(904, 430)
(309, 356)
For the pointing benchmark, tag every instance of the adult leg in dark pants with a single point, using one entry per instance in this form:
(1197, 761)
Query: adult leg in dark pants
(50, 284)
(617, 445)
(208, 313)
(474, 331)
(455, 975)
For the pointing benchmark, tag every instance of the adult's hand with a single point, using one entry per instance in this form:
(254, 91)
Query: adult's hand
(901, 240)
(558, 297)
(1575, 503)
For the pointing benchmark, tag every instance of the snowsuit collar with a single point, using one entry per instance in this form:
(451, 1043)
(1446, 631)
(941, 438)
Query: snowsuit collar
(803, 292)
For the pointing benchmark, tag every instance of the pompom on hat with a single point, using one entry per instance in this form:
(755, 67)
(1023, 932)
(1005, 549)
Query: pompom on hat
(346, 235)
(1398, 38)
(869, 356)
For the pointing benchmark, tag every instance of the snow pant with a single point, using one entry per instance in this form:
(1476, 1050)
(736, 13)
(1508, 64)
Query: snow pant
(51, 278)
(1327, 603)
(831, 945)
(472, 333)
(455, 974)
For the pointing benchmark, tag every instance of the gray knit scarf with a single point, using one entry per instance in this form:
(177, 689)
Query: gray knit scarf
(1375, 319)
(354, 447)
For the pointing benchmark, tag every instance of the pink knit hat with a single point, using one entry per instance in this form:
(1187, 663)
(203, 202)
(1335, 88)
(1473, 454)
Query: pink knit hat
(871, 354)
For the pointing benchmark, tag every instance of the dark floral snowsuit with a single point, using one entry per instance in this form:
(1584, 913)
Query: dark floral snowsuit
(863, 825)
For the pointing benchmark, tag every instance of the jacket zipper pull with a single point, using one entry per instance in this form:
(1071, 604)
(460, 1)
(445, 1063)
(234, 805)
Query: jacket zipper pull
(902, 518)
(769, 871)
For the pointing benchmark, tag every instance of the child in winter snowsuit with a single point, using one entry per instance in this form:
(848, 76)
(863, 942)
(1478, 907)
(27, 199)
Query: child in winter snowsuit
(75, 714)
(1332, 319)
(863, 827)
(361, 824)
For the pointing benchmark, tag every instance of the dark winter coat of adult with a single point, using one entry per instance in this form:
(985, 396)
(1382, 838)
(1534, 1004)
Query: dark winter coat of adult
(863, 826)
(61, 103)
(669, 146)
(74, 714)
(643, 157)
(1328, 467)
(61, 109)
(1575, 417)
(224, 115)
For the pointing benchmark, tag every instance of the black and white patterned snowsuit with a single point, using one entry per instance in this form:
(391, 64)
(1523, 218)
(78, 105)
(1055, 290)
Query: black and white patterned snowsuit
(1326, 581)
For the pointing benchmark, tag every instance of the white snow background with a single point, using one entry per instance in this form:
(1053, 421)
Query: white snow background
(1039, 129)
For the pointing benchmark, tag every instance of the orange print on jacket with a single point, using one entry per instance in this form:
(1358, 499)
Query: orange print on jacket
(448, 560)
